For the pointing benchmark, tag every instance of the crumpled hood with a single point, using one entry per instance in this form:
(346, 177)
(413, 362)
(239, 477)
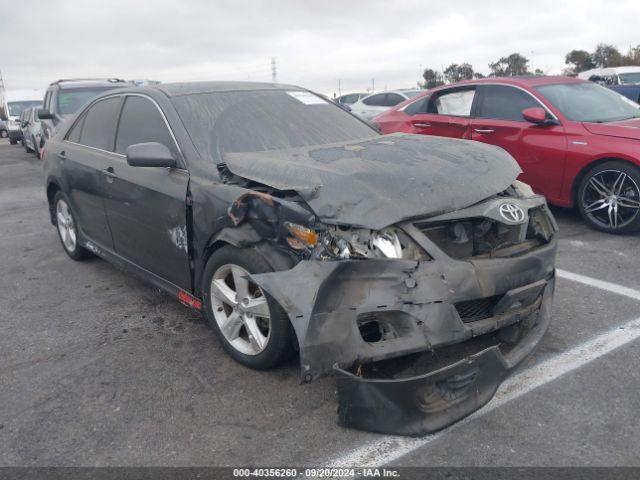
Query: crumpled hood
(624, 129)
(380, 181)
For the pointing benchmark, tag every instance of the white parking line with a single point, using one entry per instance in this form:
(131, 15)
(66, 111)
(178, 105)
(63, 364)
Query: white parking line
(601, 284)
(389, 448)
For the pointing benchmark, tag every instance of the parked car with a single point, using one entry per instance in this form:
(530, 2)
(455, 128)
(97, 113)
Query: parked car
(16, 102)
(632, 92)
(292, 225)
(350, 98)
(31, 131)
(368, 107)
(572, 138)
(64, 97)
(4, 133)
(612, 75)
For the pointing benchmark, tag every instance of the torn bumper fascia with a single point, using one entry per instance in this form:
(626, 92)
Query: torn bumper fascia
(326, 299)
(427, 403)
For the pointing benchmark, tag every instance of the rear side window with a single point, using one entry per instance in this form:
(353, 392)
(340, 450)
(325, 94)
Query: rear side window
(376, 100)
(142, 122)
(419, 106)
(501, 102)
(100, 122)
(393, 99)
(457, 103)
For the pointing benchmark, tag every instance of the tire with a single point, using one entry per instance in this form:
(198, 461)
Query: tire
(224, 265)
(609, 197)
(26, 147)
(13, 141)
(36, 147)
(69, 241)
(3, 134)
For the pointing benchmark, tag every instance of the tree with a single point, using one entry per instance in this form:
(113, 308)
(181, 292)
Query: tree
(633, 57)
(454, 72)
(514, 64)
(478, 76)
(607, 56)
(578, 61)
(432, 78)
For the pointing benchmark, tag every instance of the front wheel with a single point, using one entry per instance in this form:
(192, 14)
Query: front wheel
(609, 197)
(252, 327)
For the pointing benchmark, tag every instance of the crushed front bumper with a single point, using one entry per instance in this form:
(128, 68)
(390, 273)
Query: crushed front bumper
(420, 309)
(422, 404)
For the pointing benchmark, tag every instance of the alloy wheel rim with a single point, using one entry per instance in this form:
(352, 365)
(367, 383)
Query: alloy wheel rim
(66, 225)
(611, 199)
(240, 309)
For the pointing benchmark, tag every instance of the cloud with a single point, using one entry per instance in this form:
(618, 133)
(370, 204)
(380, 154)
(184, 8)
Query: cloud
(314, 43)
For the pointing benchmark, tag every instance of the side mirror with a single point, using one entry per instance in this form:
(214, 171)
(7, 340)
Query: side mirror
(537, 115)
(151, 154)
(44, 114)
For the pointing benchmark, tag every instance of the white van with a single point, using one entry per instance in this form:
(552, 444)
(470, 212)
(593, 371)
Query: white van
(14, 103)
(612, 76)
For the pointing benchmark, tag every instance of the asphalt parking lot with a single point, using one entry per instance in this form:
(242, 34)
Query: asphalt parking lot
(97, 368)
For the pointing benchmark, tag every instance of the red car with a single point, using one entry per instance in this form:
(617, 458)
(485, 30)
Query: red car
(577, 142)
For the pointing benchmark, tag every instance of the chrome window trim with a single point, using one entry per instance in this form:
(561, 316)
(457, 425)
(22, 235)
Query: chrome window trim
(479, 84)
(124, 94)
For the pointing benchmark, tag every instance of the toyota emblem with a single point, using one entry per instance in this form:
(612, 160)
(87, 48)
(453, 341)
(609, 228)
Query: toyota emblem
(512, 213)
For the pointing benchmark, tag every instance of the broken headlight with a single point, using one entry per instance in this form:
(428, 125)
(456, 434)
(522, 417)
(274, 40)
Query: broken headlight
(336, 242)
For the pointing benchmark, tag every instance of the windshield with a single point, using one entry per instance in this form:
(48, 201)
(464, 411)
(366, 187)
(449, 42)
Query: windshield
(588, 102)
(258, 120)
(16, 108)
(629, 78)
(71, 99)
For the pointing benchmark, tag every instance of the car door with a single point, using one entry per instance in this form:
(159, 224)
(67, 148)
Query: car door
(146, 206)
(539, 149)
(446, 113)
(84, 157)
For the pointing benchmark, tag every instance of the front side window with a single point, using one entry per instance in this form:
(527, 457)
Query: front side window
(141, 122)
(71, 99)
(502, 102)
(455, 103)
(376, 100)
(588, 102)
(99, 128)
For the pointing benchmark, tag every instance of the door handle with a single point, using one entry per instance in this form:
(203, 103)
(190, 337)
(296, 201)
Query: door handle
(110, 174)
(484, 131)
(421, 124)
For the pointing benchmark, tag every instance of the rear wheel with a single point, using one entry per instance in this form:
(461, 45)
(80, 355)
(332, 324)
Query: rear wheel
(609, 197)
(36, 147)
(3, 134)
(252, 327)
(13, 141)
(67, 228)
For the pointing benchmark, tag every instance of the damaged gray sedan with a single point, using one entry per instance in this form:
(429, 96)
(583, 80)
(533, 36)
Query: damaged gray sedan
(415, 269)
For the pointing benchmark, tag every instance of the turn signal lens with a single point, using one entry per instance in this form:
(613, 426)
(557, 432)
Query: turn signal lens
(304, 235)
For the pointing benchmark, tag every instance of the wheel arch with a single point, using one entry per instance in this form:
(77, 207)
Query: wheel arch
(52, 189)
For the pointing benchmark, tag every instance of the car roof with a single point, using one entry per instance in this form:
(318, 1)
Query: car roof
(192, 88)
(523, 81)
(88, 83)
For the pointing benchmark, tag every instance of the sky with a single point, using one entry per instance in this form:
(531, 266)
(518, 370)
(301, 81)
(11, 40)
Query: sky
(319, 45)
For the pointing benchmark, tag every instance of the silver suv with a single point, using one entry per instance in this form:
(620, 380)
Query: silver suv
(64, 97)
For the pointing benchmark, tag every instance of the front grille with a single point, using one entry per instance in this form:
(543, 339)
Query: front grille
(474, 310)
(481, 236)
